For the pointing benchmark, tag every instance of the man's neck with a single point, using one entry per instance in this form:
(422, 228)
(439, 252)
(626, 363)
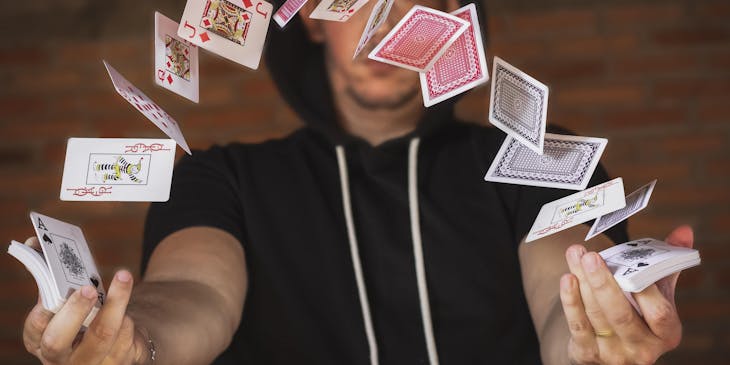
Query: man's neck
(377, 125)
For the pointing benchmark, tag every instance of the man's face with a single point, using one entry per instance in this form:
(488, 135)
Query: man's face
(370, 83)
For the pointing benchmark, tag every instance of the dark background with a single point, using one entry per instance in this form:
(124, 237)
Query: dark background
(651, 76)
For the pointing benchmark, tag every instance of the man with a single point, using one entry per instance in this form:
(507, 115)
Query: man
(369, 237)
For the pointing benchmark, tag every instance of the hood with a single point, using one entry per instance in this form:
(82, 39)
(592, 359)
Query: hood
(297, 67)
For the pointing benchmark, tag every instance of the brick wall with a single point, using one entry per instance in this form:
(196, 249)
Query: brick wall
(653, 77)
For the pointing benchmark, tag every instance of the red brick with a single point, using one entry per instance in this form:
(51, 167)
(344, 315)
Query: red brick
(716, 88)
(713, 112)
(23, 56)
(658, 65)
(689, 144)
(15, 156)
(647, 224)
(257, 89)
(697, 309)
(41, 129)
(697, 342)
(691, 197)
(714, 254)
(691, 279)
(599, 95)
(718, 61)
(47, 80)
(31, 183)
(642, 15)
(510, 49)
(645, 172)
(12, 107)
(559, 73)
(691, 36)
(596, 45)
(719, 10)
(644, 117)
(722, 278)
(550, 22)
(718, 169)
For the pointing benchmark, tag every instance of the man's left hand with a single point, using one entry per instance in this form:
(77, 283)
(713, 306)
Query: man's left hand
(604, 327)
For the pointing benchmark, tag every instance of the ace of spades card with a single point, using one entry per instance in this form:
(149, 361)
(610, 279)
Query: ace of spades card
(68, 256)
(234, 29)
(176, 60)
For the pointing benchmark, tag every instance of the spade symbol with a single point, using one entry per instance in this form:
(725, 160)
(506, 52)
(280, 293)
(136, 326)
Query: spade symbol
(632, 244)
(95, 281)
(47, 239)
(641, 264)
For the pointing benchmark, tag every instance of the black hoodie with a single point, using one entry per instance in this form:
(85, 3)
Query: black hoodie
(335, 229)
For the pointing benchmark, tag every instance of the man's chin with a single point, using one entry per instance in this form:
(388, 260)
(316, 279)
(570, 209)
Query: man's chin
(390, 101)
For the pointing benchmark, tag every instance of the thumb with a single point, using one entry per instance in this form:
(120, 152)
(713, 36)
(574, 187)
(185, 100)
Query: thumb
(681, 236)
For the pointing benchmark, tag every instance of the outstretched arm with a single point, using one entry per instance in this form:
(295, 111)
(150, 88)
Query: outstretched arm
(582, 316)
(189, 304)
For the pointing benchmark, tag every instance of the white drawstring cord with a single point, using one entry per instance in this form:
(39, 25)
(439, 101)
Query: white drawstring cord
(418, 251)
(355, 254)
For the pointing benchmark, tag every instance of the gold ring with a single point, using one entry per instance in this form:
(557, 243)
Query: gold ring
(604, 333)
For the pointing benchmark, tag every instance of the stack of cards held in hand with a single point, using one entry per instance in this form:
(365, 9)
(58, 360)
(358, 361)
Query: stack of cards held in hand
(64, 266)
(637, 264)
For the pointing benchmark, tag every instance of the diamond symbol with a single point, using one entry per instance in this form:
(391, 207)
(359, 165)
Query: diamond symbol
(206, 22)
(204, 37)
(169, 79)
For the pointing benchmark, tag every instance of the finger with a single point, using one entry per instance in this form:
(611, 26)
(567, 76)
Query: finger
(594, 312)
(578, 323)
(62, 329)
(121, 352)
(33, 243)
(660, 315)
(34, 326)
(104, 329)
(618, 311)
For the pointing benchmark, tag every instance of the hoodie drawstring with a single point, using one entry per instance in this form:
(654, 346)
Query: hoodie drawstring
(423, 297)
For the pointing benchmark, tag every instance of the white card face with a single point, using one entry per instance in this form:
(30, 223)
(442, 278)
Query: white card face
(337, 10)
(287, 11)
(578, 208)
(518, 104)
(118, 169)
(567, 162)
(461, 68)
(629, 260)
(147, 107)
(635, 202)
(68, 256)
(378, 16)
(419, 39)
(234, 29)
(176, 60)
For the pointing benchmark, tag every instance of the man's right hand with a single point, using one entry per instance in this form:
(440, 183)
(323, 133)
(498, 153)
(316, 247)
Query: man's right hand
(110, 339)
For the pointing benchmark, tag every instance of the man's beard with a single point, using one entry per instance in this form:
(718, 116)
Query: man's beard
(392, 103)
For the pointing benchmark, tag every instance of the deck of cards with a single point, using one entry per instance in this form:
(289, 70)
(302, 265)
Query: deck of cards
(64, 265)
(637, 264)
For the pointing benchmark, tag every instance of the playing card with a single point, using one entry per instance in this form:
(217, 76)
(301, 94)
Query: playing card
(639, 263)
(567, 162)
(462, 67)
(377, 17)
(419, 39)
(147, 107)
(287, 11)
(578, 208)
(234, 29)
(518, 104)
(68, 256)
(176, 60)
(635, 202)
(118, 169)
(337, 10)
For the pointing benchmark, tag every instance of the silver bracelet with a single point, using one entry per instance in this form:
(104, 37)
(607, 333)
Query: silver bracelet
(152, 349)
